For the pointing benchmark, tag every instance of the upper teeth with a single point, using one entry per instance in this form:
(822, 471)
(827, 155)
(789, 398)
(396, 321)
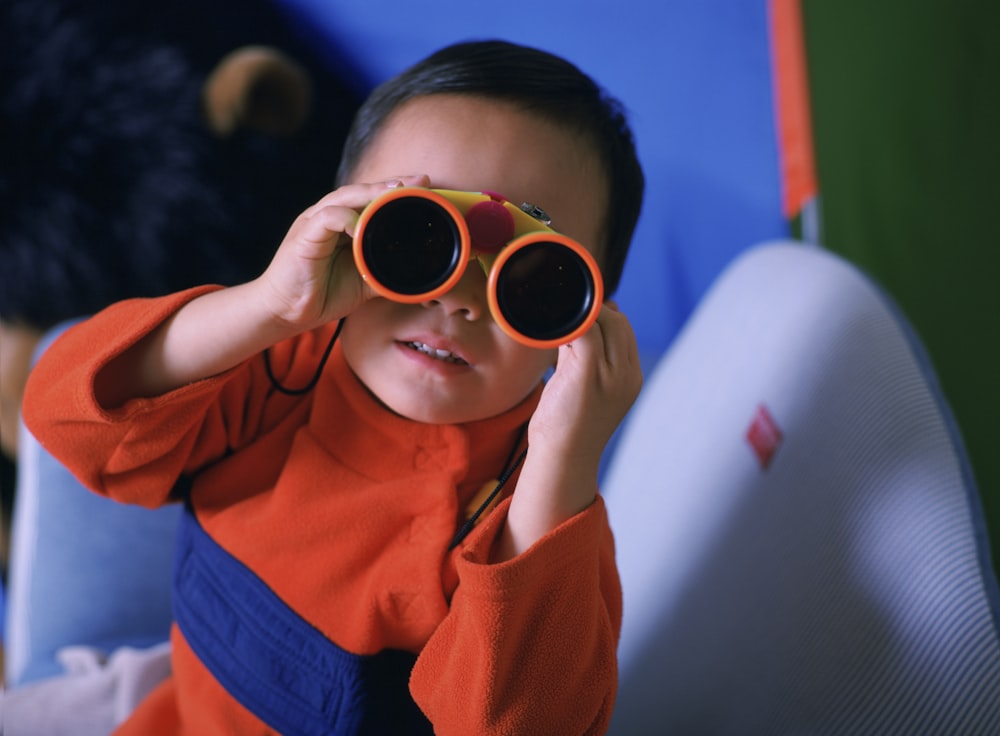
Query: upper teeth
(434, 352)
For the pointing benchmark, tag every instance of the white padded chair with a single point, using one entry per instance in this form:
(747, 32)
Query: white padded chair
(85, 570)
(799, 535)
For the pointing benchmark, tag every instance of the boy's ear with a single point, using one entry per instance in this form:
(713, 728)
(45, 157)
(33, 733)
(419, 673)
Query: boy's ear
(259, 88)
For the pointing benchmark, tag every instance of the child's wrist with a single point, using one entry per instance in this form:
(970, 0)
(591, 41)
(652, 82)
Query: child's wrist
(278, 317)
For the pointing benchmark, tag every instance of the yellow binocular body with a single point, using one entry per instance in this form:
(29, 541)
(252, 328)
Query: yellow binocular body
(413, 245)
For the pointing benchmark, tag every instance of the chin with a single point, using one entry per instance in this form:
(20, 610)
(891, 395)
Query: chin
(427, 413)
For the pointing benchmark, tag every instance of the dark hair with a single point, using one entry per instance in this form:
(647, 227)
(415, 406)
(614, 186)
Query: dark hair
(537, 82)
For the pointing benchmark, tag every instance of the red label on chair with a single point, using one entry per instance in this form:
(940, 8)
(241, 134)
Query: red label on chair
(764, 436)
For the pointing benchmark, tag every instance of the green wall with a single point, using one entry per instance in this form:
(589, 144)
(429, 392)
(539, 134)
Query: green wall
(906, 118)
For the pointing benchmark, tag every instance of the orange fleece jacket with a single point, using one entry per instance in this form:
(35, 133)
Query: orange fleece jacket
(346, 511)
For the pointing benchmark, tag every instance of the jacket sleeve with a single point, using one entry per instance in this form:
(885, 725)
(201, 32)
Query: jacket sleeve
(137, 453)
(529, 645)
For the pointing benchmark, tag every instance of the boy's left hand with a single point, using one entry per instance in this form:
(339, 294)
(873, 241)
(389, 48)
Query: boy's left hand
(596, 380)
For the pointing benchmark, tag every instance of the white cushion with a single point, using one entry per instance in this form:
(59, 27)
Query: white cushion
(841, 586)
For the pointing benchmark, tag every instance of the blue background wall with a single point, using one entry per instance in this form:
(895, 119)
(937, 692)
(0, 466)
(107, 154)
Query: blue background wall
(695, 77)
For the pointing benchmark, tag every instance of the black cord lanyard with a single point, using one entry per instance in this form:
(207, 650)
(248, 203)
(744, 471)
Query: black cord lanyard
(315, 379)
(510, 466)
(514, 460)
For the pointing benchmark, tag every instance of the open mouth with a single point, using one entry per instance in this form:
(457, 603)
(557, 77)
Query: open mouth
(436, 353)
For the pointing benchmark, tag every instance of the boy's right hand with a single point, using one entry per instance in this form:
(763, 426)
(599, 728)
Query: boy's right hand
(312, 278)
(310, 281)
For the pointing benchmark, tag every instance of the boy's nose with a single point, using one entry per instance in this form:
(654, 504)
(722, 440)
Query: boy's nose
(468, 297)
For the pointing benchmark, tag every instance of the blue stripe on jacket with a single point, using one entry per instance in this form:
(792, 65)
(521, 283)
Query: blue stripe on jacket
(274, 662)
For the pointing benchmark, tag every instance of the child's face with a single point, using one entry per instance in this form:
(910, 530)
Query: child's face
(470, 144)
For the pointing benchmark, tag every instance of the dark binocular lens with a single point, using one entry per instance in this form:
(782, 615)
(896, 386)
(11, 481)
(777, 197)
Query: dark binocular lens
(545, 291)
(411, 245)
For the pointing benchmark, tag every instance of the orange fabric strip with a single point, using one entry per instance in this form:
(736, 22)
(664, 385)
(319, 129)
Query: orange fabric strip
(791, 90)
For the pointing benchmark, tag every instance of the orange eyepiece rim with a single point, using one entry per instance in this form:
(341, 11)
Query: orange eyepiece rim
(597, 298)
(408, 193)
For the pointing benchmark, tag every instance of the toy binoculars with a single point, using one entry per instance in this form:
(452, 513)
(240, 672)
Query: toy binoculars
(413, 244)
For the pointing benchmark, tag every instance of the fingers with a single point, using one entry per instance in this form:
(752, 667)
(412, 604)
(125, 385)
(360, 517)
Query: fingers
(324, 226)
(596, 381)
(338, 211)
(357, 196)
(610, 338)
(619, 337)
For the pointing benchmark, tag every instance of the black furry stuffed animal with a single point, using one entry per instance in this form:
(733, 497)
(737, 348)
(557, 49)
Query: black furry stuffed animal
(127, 168)
(145, 148)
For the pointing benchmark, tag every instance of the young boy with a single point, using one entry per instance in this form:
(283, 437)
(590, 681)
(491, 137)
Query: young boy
(317, 589)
